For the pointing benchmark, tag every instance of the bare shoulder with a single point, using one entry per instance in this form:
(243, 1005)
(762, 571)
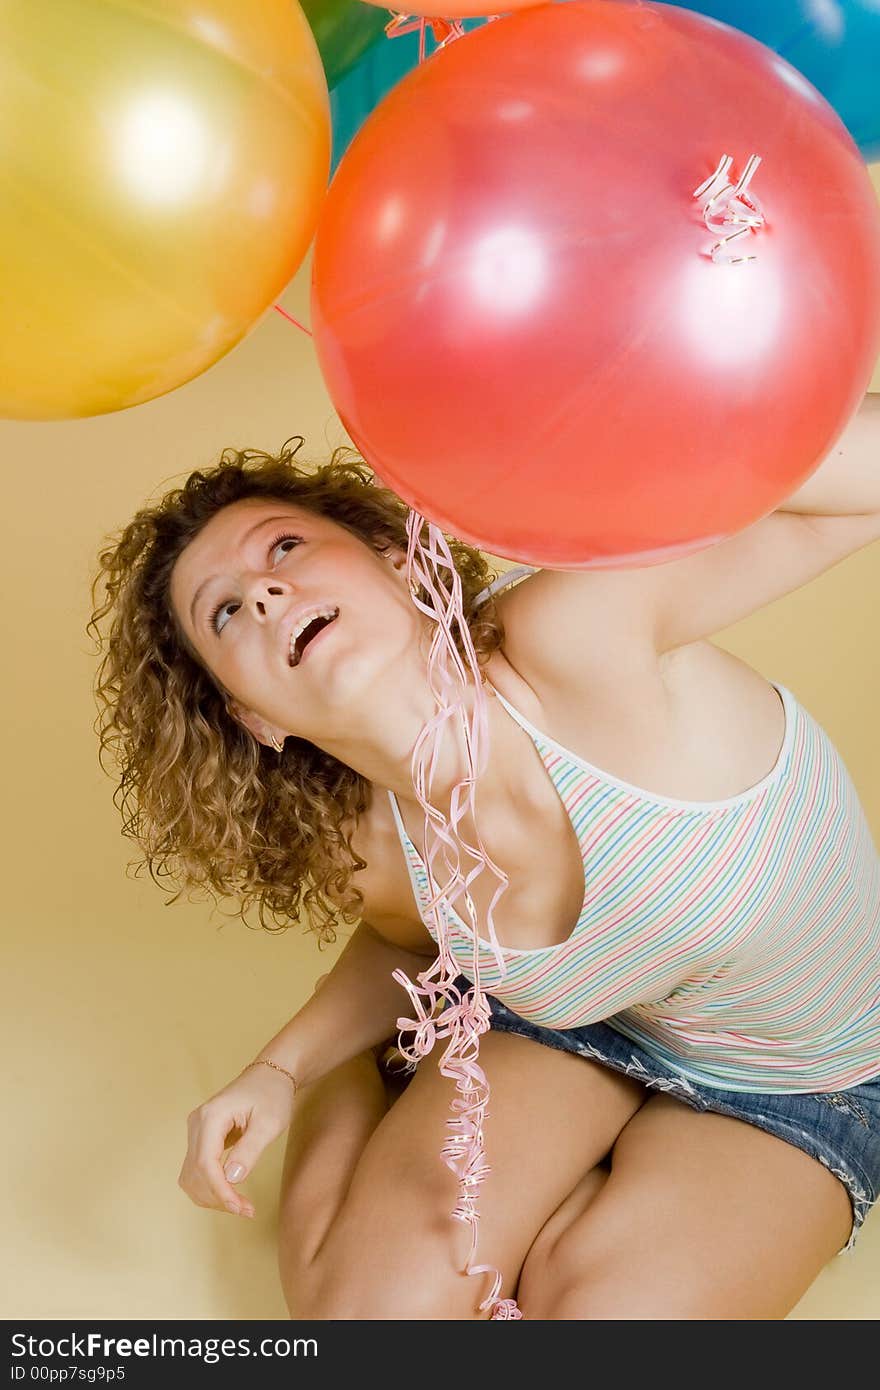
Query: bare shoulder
(630, 693)
(570, 628)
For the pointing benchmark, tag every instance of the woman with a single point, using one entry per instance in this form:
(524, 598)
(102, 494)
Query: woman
(700, 1132)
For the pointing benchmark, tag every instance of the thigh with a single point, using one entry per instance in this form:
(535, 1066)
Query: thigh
(702, 1216)
(394, 1249)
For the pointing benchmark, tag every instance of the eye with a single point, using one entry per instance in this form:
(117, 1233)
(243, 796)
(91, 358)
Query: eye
(215, 613)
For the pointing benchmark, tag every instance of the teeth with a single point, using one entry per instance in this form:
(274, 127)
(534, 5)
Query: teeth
(304, 621)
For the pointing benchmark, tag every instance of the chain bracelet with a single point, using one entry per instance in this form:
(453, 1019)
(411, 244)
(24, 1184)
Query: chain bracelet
(264, 1061)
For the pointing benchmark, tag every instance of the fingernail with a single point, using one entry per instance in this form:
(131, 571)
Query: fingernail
(234, 1171)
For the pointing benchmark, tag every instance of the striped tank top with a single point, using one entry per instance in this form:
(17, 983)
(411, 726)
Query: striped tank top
(737, 941)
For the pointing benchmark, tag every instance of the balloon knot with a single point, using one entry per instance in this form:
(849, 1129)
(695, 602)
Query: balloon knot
(730, 211)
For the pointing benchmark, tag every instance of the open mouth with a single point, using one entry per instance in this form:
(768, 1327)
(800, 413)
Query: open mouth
(309, 633)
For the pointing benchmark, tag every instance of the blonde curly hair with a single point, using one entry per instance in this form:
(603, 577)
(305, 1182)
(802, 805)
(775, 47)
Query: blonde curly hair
(207, 804)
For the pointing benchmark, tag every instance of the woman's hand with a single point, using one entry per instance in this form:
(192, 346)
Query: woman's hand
(247, 1115)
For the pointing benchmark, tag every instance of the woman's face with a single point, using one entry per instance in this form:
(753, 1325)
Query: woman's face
(239, 587)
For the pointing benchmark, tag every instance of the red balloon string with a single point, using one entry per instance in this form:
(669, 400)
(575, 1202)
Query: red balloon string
(292, 319)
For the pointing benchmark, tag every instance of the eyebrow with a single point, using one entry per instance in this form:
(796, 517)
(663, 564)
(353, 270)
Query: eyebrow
(248, 533)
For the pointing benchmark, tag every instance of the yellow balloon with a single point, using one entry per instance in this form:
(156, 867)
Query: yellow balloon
(162, 168)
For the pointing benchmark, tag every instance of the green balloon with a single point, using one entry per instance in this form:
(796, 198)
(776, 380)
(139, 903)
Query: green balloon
(344, 30)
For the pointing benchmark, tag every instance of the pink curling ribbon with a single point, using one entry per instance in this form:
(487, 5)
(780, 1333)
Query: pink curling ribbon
(730, 211)
(505, 1309)
(445, 31)
(466, 1018)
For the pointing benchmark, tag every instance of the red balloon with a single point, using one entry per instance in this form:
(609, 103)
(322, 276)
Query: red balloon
(515, 305)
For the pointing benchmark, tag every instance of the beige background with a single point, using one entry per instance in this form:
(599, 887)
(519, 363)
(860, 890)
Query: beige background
(121, 1016)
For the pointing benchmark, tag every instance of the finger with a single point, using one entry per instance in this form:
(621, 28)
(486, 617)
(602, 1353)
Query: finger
(210, 1146)
(192, 1178)
(242, 1157)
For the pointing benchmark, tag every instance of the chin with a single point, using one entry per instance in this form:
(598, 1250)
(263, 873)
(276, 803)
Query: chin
(355, 677)
(349, 672)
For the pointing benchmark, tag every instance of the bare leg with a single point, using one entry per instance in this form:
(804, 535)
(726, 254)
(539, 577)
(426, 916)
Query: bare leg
(332, 1120)
(332, 1166)
(703, 1216)
(554, 1116)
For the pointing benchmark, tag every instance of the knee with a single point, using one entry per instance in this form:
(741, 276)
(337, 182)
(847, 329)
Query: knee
(357, 1275)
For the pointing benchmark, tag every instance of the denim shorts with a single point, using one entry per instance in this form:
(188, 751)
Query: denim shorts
(839, 1128)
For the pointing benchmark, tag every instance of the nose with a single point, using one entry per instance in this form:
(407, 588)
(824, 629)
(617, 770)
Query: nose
(263, 592)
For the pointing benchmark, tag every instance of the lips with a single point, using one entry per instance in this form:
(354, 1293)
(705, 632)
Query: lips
(294, 617)
(313, 628)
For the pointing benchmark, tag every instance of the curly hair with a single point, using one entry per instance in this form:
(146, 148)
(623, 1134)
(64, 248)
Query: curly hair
(206, 803)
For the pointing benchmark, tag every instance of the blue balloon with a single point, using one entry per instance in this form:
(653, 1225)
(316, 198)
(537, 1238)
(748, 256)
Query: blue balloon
(361, 90)
(834, 43)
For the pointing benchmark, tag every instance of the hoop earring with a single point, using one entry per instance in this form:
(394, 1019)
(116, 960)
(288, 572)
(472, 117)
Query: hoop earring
(279, 747)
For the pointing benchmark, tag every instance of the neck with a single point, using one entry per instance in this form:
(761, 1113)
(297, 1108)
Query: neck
(381, 748)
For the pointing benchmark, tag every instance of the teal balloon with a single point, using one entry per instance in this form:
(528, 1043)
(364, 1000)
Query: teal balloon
(834, 43)
(361, 90)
